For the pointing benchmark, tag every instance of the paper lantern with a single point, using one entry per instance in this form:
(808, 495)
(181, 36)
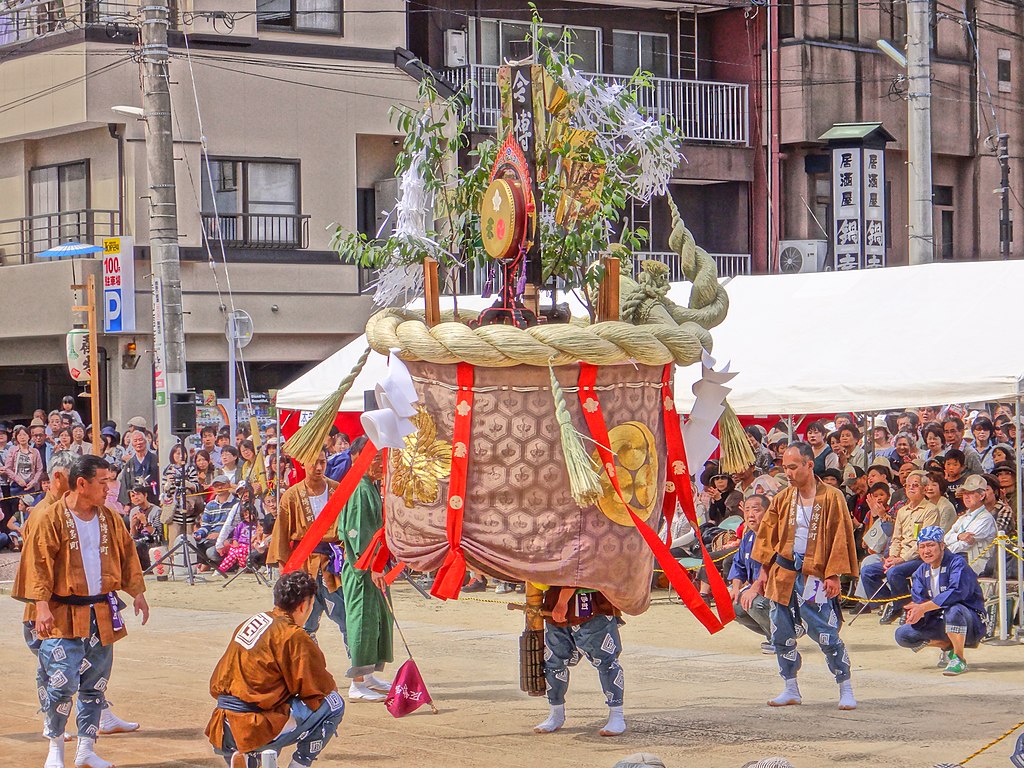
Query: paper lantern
(78, 354)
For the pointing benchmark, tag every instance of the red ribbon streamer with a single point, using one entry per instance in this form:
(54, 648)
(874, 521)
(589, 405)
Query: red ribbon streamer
(679, 472)
(674, 572)
(451, 575)
(329, 514)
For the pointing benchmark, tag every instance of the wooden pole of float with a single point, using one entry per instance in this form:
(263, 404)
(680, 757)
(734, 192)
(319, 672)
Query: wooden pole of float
(431, 297)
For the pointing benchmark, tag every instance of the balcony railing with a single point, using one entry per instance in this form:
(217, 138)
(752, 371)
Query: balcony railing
(258, 230)
(701, 110)
(29, 19)
(729, 264)
(23, 238)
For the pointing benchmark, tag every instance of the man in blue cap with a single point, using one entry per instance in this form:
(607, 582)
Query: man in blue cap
(947, 608)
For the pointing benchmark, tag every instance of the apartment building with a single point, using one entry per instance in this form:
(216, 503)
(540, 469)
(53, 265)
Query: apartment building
(290, 100)
(703, 77)
(831, 71)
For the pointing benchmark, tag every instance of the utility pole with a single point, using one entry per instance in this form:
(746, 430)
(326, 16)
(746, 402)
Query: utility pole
(921, 240)
(169, 332)
(1004, 220)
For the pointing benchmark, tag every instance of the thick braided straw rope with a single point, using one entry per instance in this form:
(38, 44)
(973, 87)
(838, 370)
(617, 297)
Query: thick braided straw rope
(658, 331)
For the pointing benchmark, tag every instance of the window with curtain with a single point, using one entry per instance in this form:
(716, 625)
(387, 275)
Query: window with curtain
(301, 15)
(59, 197)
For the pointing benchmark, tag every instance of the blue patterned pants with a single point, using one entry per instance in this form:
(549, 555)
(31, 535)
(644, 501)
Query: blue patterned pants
(74, 666)
(822, 623)
(331, 603)
(598, 640)
(313, 729)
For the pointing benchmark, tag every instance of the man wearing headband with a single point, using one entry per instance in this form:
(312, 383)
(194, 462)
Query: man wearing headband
(947, 609)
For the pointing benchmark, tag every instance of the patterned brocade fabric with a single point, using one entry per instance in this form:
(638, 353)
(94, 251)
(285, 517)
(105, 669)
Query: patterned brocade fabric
(520, 521)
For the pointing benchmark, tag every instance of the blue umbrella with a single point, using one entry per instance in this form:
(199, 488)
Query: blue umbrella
(68, 249)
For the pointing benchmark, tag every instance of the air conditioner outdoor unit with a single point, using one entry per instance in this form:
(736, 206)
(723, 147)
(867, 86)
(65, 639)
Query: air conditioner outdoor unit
(455, 48)
(796, 256)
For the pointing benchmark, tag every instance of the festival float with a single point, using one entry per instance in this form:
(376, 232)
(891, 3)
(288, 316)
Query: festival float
(524, 442)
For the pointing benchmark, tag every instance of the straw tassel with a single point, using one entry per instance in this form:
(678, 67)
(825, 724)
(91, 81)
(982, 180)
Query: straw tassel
(584, 482)
(305, 445)
(736, 452)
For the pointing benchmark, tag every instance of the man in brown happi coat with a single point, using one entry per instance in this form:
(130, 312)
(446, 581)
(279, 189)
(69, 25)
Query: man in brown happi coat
(272, 670)
(77, 556)
(804, 544)
(300, 506)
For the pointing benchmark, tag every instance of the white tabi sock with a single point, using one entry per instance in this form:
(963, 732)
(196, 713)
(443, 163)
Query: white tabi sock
(846, 700)
(790, 695)
(556, 719)
(111, 723)
(55, 757)
(616, 722)
(86, 756)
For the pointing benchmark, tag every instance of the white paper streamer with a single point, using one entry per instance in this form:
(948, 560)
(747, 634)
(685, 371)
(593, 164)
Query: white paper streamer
(710, 393)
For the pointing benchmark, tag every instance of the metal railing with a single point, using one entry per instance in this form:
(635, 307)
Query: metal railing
(258, 230)
(702, 110)
(27, 20)
(729, 264)
(23, 238)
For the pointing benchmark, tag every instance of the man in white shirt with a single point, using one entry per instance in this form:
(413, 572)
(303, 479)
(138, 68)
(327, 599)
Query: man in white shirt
(975, 529)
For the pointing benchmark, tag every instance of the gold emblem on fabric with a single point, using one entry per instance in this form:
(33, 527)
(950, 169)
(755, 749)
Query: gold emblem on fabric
(417, 469)
(636, 465)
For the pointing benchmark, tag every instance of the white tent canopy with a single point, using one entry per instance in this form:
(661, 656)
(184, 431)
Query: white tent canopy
(870, 340)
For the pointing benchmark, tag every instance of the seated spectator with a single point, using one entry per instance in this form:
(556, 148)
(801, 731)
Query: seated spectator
(890, 578)
(849, 439)
(715, 493)
(1006, 475)
(763, 459)
(1002, 453)
(229, 458)
(935, 492)
(832, 477)
(777, 443)
(975, 529)
(143, 522)
(881, 437)
(219, 511)
(934, 441)
(947, 609)
(824, 456)
(908, 466)
(983, 432)
(880, 471)
(904, 449)
(856, 483)
(953, 435)
(880, 514)
(954, 468)
(751, 608)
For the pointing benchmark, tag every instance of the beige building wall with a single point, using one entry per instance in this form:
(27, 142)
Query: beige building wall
(329, 112)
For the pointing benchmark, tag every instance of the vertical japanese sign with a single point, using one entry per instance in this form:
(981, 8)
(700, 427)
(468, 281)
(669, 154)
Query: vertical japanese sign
(524, 129)
(118, 285)
(847, 216)
(874, 208)
(159, 346)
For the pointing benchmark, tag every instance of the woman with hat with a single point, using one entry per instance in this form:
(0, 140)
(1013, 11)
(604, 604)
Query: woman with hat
(112, 450)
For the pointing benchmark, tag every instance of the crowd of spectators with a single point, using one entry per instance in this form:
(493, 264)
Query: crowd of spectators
(941, 466)
(219, 492)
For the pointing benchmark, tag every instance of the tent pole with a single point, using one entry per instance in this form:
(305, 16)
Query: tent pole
(789, 426)
(869, 437)
(277, 460)
(1020, 513)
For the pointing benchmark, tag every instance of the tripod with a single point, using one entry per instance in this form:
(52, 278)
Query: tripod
(183, 544)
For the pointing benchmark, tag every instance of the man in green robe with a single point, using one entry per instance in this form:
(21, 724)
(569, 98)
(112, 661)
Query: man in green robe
(366, 609)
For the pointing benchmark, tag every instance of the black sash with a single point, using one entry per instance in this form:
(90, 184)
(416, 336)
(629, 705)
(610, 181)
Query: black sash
(79, 599)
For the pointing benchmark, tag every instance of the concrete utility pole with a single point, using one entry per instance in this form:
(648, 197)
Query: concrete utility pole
(1004, 219)
(921, 240)
(169, 332)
